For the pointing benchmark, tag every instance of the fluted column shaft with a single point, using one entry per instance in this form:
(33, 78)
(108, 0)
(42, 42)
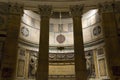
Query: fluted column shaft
(13, 13)
(80, 62)
(43, 63)
(108, 13)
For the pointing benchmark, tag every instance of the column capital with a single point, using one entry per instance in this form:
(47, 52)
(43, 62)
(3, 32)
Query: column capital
(109, 7)
(76, 10)
(15, 8)
(11, 8)
(45, 10)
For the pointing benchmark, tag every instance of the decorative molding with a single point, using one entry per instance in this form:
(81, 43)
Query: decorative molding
(70, 77)
(61, 56)
(76, 10)
(45, 10)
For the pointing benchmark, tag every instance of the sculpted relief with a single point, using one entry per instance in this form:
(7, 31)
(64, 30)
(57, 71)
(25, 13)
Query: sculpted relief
(32, 65)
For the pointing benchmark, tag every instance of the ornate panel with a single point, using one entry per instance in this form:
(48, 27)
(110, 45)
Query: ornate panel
(62, 70)
(101, 60)
(21, 66)
(102, 67)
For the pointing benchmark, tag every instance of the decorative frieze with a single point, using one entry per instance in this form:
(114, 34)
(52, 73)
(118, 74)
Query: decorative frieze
(76, 10)
(45, 10)
(61, 56)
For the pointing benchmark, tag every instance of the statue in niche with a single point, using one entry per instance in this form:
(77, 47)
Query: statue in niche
(90, 64)
(32, 67)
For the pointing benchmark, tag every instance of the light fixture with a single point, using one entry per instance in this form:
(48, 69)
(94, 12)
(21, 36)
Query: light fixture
(60, 38)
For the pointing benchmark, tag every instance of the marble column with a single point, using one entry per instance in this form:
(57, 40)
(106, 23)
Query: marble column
(43, 62)
(13, 13)
(80, 62)
(108, 13)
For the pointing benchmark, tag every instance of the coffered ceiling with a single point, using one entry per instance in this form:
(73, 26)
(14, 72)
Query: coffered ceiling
(58, 5)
